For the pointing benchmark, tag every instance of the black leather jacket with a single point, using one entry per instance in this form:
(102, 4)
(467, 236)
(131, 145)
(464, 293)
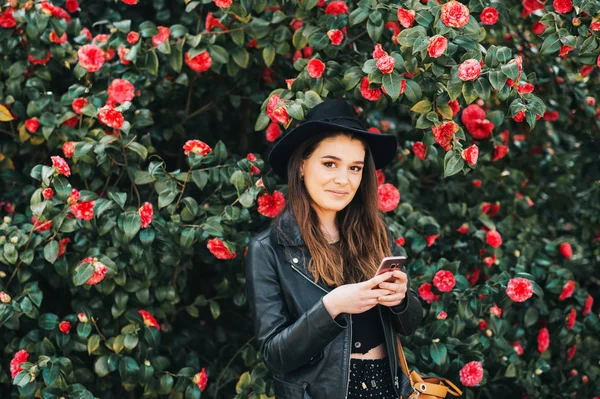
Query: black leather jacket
(307, 350)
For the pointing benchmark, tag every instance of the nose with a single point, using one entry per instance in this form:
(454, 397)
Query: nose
(341, 177)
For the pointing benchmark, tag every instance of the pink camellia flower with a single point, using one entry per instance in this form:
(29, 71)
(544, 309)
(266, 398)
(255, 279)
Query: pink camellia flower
(543, 340)
(219, 250)
(335, 36)
(53, 37)
(517, 347)
(133, 37)
(271, 205)
(200, 62)
(567, 290)
(91, 57)
(78, 104)
(99, 270)
(4, 297)
(64, 327)
(162, 36)
(197, 147)
(83, 210)
(444, 134)
(442, 315)
(493, 238)
(146, 213)
(386, 64)
(570, 321)
(499, 152)
(565, 250)
(82, 317)
(496, 311)
(223, 3)
(471, 154)
(437, 46)
(369, 94)
(48, 193)
(427, 294)
(122, 52)
(201, 379)
(406, 17)
(519, 289)
(469, 70)
(74, 197)
(32, 125)
(444, 280)
(61, 165)
(15, 364)
(455, 14)
(420, 150)
(121, 91)
(378, 52)
(149, 320)
(315, 68)
(471, 374)
(336, 8)
(109, 116)
(389, 197)
(489, 16)
(563, 6)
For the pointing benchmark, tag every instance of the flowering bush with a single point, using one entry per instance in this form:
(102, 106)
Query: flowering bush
(130, 186)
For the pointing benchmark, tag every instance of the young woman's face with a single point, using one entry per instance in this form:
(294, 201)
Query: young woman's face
(333, 173)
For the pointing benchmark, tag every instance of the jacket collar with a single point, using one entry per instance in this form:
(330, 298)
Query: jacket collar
(286, 229)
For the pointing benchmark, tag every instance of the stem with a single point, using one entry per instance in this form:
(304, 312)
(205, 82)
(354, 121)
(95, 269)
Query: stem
(229, 364)
(93, 319)
(224, 31)
(21, 260)
(182, 190)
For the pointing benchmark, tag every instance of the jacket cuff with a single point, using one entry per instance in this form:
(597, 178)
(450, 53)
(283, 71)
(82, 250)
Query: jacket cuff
(323, 322)
(399, 309)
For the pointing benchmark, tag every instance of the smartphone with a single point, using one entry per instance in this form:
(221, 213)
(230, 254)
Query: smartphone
(391, 263)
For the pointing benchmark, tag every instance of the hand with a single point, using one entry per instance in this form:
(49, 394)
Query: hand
(356, 298)
(397, 289)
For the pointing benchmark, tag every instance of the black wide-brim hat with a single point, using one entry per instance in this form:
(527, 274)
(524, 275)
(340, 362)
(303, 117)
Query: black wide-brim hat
(328, 116)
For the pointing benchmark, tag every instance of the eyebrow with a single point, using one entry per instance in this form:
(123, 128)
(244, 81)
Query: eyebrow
(339, 159)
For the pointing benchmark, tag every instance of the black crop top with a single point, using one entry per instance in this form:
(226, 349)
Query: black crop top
(367, 331)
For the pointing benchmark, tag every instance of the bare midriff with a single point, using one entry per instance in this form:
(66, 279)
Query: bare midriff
(377, 352)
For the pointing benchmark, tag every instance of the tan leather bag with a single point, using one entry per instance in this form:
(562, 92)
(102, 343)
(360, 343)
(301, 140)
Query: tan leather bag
(425, 387)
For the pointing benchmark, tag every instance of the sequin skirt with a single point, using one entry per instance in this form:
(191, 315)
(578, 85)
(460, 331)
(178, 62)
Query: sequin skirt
(371, 379)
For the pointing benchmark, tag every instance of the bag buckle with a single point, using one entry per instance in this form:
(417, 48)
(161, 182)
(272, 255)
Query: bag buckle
(423, 388)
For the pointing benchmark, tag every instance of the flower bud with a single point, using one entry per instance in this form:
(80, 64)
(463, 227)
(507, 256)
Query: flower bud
(576, 22)
(538, 371)
(147, 363)
(517, 253)
(4, 297)
(82, 317)
(7, 219)
(488, 332)
(2, 274)
(435, 340)
(14, 239)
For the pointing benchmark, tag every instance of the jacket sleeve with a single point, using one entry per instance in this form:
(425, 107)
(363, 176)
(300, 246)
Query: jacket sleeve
(407, 316)
(285, 344)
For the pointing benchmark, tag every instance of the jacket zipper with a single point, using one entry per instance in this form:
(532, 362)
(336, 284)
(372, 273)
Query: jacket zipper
(394, 371)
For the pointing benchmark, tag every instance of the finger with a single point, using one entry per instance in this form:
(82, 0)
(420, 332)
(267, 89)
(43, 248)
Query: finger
(376, 293)
(391, 300)
(378, 279)
(399, 274)
(390, 286)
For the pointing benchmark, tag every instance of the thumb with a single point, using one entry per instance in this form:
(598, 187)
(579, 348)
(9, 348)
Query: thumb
(375, 281)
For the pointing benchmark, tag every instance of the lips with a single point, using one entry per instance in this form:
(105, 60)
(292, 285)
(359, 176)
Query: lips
(338, 192)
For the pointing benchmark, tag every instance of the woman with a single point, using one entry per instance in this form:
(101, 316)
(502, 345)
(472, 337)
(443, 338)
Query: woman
(325, 325)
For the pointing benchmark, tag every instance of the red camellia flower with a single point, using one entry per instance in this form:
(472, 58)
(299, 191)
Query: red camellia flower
(442, 315)
(480, 129)
(336, 8)
(60, 165)
(444, 134)
(41, 61)
(197, 147)
(477, 183)
(79, 103)
(386, 64)
(587, 306)
(567, 290)
(369, 94)
(406, 17)
(400, 241)
(538, 27)
(68, 149)
(62, 246)
(219, 250)
(493, 238)
(431, 239)
(149, 320)
(499, 152)
(455, 14)
(543, 340)
(130, 2)
(271, 205)
(72, 5)
(496, 311)
(380, 177)
(469, 70)
(32, 125)
(517, 347)
(427, 294)
(7, 20)
(281, 115)
(133, 37)
(74, 197)
(519, 289)
(91, 57)
(15, 364)
(223, 3)
(570, 321)
(53, 37)
(146, 212)
(571, 352)
(109, 116)
(335, 36)
(389, 197)
(64, 327)
(489, 16)
(470, 154)
(378, 52)
(39, 226)
(444, 280)
(420, 150)
(471, 374)
(471, 113)
(200, 62)
(83, 210)
(162, 36)
(4, 297)
(315, 68)
(99, 270)
(437, 46)
(122, 52)
(273, 132)
(201, 379)
(566, 250)
(563, 6)
(463, 229)
(120, 91)
(48, 193)
(455, 106)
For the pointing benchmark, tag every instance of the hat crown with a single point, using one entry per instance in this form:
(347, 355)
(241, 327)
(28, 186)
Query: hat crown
(338, 111)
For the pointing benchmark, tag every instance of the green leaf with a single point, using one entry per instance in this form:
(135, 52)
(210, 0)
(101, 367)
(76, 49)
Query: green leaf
(268, 55)
(497, 79)
(439, 353)
(176, 57)
(358, 15)
(84, 272)
(392, 83)
(468, 92)
(413, 91)
(131, 225)
(215, 309)
(51, 251)
(200, 177)
(48, 321)
(241, 57)
(453, 163)
(511, 70)
(421, 107)
(139, 149)
(218, 54)
(551, 44)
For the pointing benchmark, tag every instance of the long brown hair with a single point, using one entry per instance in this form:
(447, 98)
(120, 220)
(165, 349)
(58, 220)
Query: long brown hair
(362, 229)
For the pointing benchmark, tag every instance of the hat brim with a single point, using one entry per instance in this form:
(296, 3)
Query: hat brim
(383, 146)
